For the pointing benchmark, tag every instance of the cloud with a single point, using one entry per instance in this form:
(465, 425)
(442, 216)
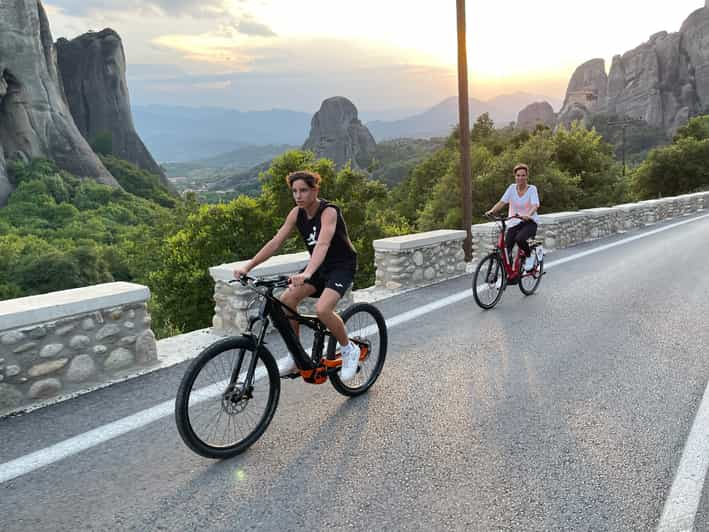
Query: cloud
(251, 27)
(230, 52)
(373, 87)
(82, 8)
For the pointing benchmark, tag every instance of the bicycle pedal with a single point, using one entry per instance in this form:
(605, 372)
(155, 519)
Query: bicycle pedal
(291, 376)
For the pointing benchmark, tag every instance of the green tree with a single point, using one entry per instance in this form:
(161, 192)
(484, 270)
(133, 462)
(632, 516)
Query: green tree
(676, 169)
(138, 181)
(215, 234)
(583, 153)
(483, 128)
(102, 143)
(697, 128)
(410, 197)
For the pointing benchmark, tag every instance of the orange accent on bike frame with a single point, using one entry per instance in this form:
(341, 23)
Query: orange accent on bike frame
(315, 376)
(319, 374)
(363, 352)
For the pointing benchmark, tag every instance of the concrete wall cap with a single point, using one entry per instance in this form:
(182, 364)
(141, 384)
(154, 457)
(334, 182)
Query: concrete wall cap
(557, 216)
(276, 265)
(598, 210)
(26, 311)
(400, 243)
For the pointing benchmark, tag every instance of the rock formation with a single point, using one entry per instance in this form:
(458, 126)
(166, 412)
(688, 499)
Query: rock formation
(586, 92)
(337, 134)
(664, 81)
(35, 120)
(695, 44)
(536, 113)
(93, 69)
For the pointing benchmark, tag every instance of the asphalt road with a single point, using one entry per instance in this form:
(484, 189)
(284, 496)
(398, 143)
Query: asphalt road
(565, 410)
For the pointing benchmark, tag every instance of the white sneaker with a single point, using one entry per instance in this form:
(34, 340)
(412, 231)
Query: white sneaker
(287, 366)
(529, 263)
(350, 361)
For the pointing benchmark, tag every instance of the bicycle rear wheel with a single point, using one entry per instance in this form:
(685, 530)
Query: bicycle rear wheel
(489, 281)
(218, 413)
(367, 328)
(529, 281)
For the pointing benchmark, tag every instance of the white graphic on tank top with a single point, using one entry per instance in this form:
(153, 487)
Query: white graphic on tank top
(312, 237)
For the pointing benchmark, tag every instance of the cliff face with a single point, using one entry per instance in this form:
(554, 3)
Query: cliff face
(93, 71)
(663, 81)
(337, 134)
(35, 120)
(537, 113)
(695, 45)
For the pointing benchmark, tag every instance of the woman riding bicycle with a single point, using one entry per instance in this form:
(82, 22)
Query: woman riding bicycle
(523, 201)
(331, 269)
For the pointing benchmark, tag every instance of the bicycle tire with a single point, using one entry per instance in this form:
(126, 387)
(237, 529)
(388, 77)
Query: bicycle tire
(192, 401)
(536, 275)
(493, 277)
(365, 324)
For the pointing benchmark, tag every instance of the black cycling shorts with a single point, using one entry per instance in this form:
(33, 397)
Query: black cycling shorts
(339, 279)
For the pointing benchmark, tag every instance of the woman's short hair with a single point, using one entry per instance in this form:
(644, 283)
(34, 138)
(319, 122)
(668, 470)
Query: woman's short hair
(312, 179)
(520, 166)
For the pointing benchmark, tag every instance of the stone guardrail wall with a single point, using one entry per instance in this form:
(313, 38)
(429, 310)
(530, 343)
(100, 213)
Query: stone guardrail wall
(562, 229)
(234, 303)
(72, 340)
(412, 261)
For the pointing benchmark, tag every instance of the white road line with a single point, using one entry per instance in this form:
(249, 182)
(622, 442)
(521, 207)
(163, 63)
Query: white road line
(686, 492)
(44, 457)
(61, 450)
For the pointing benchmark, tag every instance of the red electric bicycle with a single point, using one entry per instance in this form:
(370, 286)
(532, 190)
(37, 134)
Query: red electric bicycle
(496, 270)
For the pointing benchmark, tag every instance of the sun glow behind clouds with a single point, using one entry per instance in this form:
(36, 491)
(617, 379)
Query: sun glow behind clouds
(506, 38)
(207, 48)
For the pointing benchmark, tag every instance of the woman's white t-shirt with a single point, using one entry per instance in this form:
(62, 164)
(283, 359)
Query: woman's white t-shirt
(522, 205)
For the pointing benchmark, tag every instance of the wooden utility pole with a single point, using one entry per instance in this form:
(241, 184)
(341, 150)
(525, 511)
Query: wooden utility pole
(624, 123)
(464, 126)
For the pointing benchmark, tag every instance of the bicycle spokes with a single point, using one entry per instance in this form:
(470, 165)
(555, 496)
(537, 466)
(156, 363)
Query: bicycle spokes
(489, 281)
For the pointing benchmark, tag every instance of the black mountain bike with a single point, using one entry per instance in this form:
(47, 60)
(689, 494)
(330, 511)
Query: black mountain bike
(230, 392)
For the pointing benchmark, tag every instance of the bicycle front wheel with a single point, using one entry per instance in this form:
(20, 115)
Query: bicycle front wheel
(489, 281)
(367, 328)
(220, 412)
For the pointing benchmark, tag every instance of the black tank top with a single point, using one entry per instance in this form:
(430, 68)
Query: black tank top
(341, 252)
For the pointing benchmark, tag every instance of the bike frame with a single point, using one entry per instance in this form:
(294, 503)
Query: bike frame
(274, 310)
(512, 270)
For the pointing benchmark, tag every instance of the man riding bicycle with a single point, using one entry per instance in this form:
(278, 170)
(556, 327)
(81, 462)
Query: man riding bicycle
(331, 268)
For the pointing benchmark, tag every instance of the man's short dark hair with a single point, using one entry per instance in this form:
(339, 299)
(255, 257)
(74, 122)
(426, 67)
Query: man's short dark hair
(312, 179)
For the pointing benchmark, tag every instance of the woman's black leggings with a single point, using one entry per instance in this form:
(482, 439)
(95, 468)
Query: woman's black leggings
(518, 234)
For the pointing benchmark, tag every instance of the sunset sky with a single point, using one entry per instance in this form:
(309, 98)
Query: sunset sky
(396, 55)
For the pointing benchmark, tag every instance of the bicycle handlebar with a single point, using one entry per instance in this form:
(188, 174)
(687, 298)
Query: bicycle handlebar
(501, 218)
(280, 281)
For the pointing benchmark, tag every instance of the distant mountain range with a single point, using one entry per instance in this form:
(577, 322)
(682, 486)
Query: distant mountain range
(181, 134)
(440, 119)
